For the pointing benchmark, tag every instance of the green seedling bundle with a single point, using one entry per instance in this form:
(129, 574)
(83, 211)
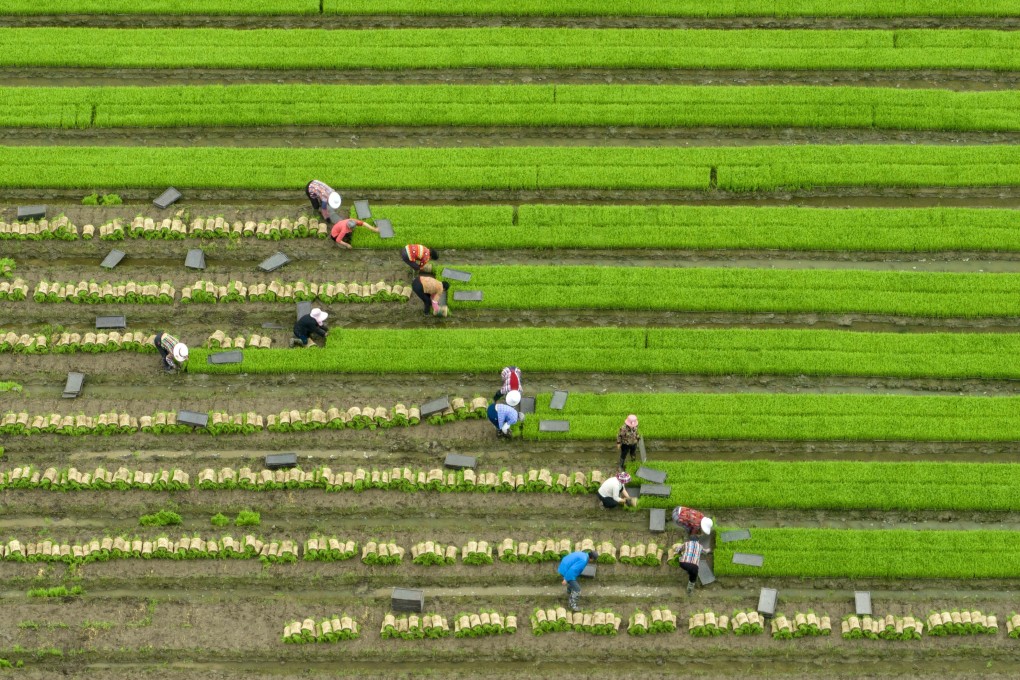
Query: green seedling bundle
(707, 624)
(430, 553)
(787, 417)
(484, 623)
(661, 620)
(559, 620)
(335, 629)
(382, 553)
(802, 625)
(105, 292)
(747, 622)
(476, 553)
(415, 627)
(331, 549)
(71, 343)
(57, 591)
(13, 291)
(161, 518)
(641, 554)
(966, 622)
(889, 627)
(59, 228)
(838, 485)
(750, 168)
(7, 267)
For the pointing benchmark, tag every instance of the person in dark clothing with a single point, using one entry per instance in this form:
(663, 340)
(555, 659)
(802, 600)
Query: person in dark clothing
(309, 325)
(428, 289)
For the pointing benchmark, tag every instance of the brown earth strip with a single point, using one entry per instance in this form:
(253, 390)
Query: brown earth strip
(963, 80)
(452, 137)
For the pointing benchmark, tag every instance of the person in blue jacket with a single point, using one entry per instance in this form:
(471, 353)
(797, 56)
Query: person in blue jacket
(570, 569)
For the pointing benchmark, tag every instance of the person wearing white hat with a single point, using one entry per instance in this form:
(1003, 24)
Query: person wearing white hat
(503, 417)
(310, 324)
(694, 521)
(173, 353)
(322, 197)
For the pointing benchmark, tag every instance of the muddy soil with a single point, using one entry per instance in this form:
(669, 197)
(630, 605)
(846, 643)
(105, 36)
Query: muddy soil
(321, 21)
(962, 80)
(372, 137)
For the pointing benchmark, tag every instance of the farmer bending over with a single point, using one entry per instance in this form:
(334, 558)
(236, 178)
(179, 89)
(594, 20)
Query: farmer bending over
(503, 417)
(695, 522)
(173, 353)
(322, 198)
(310, 324)
(428, 289)
(343, 231)
(511, 376)
(690, 558)
(613, 493)
(570, 569)
(417, 256)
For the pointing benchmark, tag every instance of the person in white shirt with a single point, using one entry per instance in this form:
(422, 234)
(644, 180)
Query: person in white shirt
(613, 493)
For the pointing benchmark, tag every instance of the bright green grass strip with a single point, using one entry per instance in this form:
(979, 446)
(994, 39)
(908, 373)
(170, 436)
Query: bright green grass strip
(511, 168)
(785, 417)
(679, 8)
(826, 485)
(841, 553)
(508, 48)
(221, 7)
(701, 227)
(634, 350)
(934, 294)
(510, 105)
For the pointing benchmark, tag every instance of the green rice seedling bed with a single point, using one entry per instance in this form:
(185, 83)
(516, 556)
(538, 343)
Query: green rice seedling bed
(514, 168)
(789, 417)
(838, 485)
(664, 106)
(664, 8)
(173, 7)
(892, 554)
(935, 294)
(437, 48)
(637, 350)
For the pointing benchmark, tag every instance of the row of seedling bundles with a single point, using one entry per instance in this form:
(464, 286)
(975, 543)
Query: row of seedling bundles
(1013, 625)
(120, 547)
(300, 291)
(485, 622)
(460, 409)
(559, 620)
(535, 552)
(641, 554)
(382, 553)
(13, 291)
(333, 629)
(353, 418)
(966, 622)
(707, 624)
(414, 627)
(220, 340)
(802, 625)
(476, 553)
(661, 620)
(887, 627)
(104, 292)
(747, 622)
(332, 549)
(69, 343)
(431, 553)
(71, 479)
(37, 230)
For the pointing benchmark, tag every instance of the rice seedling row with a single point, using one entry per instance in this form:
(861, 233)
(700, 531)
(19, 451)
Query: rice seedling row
(786, 417)
(516, 168)
(658, 106)
(929, 294)
(647, 350)
(562, 48)
(837, 485)
(539, 226)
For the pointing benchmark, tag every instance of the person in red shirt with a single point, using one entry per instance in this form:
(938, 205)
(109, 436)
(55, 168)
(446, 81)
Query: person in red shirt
(343, 231)
(416, 256)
